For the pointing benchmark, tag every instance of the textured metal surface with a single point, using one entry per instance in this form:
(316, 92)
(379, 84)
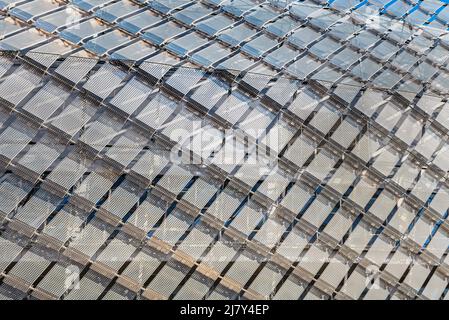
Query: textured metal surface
(224, 150)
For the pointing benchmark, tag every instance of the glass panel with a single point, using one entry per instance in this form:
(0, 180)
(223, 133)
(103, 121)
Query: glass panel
(237, 34)
(109, 41)
(163, 33)
(214, 24)
(139, 22)
(82, 31)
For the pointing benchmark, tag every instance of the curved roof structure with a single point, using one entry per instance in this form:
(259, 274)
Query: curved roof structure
(234, 149)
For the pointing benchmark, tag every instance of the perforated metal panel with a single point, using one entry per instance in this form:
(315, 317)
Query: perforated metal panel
(261, 143)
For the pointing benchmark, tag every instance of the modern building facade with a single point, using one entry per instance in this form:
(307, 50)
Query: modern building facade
(235, 149)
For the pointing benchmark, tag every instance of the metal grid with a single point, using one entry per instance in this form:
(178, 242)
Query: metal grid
(352, 173)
